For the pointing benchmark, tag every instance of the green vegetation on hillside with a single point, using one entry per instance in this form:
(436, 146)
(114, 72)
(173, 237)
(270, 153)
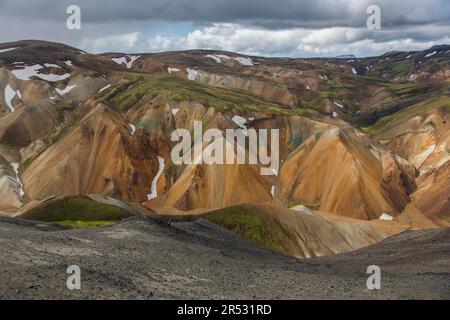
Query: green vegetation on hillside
(407, 90)
(293, 203)
(75, 113)
(85, 224)
(391, 67)
(389, 121)
(248, 222)
(76, 208)
(161, 88)
(405, 96)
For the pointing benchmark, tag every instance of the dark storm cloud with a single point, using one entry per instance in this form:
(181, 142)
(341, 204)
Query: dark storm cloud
(264, 27)
(200, 11)
(272, 14)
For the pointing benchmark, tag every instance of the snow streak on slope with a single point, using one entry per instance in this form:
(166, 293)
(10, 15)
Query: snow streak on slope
(9, 96)
(133, 129)
(244, 61)
(104, 88)
(338, 104)
(154, 192)
(218, 58)
(214, 57)
(65, 90)
(123, 60)
(6, 50)
(51, 65)
(15, 166)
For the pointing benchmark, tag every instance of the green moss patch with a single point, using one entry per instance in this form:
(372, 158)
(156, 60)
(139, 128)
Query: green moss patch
(248, 222)
(147, 88)
(77, 208)
(85, 224)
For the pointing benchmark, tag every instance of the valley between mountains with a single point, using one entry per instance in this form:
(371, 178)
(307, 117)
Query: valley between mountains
(86, 173)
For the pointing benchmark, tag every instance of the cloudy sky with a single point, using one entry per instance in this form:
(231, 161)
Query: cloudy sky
(295, 28)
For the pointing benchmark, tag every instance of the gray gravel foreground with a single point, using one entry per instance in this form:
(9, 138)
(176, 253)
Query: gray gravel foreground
(147, 258)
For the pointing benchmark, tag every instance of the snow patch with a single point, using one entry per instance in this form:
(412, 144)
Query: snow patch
(386, 217)
(354, 71)
(430, 54)
(9, 96)
(51, 65)
(218, 58)
(272, 191)
(172, 70)
(154, 192)
(132, 60)
(68, 62)
(274, 171)
(120, 60)
(32, 71)
(6, 50)
(104, 88)
(191, 74)
(338, 104)
(133, 129)
(223, 56)
(65, 90)
(175, 111)
(409, 56)
(245, 61)
(53, 77)
(15, 166)
(124, 60)
(240, 122)
(335, 114)
(214, 57)
(26, 72)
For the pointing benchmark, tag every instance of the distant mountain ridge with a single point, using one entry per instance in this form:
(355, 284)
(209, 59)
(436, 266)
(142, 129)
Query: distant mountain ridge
(346, 56)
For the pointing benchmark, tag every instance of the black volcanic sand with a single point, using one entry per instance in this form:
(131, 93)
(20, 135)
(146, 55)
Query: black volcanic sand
(147, 258)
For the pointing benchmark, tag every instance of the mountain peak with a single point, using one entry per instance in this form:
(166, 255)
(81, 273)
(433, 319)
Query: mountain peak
(440, 47)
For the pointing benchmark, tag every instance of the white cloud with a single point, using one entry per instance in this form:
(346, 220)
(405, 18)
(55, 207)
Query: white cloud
(298, 42)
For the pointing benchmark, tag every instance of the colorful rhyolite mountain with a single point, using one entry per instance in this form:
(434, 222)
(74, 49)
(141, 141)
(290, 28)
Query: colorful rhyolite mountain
(364, 143)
